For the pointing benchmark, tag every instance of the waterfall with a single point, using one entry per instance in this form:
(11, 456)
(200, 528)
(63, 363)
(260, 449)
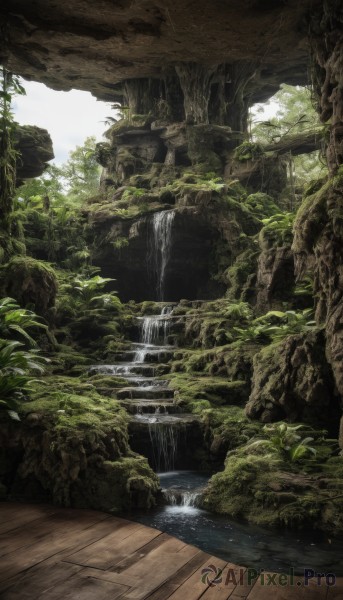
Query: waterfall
(154, 332)
(180, 497)
(164, 443)
(160, 247)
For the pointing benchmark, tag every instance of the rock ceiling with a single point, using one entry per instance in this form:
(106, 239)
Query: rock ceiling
(95, 44)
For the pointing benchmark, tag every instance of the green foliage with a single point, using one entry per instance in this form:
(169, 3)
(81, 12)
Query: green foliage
(278, 229)
(83, 295)
(248, 151)
(296, 114)
(238, 311)
(41, 192)
(120, 243)
(15, 320)
(133, 192)
(10, 87)
(81, 172)
(261, 205)
(291, 322)
(284, 440)
(16, 368)
(16, 363)
(304, 287)
(275, 326)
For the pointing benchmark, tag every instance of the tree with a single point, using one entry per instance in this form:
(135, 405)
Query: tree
(81, 173)
(295, 114)
(47, 186)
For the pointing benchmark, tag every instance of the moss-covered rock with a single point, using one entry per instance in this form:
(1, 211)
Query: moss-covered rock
(31, 282)
(292, 379)
(263, 488)
(71, 447)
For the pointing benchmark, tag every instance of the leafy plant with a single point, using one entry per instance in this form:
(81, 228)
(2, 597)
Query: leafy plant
(284, 440)
(238, 311)
(248, 151)
(304, 287)
(16, 320)
(278, 228)
(275, 326)
(16, 368)
(84, 294)
(291, 322)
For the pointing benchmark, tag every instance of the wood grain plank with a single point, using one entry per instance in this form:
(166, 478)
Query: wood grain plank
(82, 539)
(22, 513)
(134, 557)
(174, 582)
(114, 547)
(62, 537)
(151, 571)
(194, 587)
(55, 525)
(34, 583)
(20, 521)
(85, 588)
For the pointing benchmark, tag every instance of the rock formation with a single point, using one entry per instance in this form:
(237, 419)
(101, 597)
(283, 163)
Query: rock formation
(35, 151)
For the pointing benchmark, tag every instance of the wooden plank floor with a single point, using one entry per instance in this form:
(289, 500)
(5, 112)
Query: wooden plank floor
(69, 554)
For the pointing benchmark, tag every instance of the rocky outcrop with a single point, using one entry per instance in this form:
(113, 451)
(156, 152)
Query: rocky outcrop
(294, 381)
(35, 150)
(96, 46)
(318, 243)
(275, 278)
(53, 456)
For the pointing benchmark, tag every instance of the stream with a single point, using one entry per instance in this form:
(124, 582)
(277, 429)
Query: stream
(240, 543)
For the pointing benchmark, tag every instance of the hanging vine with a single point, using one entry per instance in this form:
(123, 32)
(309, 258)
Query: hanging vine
(10, 87)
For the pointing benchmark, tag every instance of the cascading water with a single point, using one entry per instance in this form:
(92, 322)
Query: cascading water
(154, 333)
(164, 442)
(187, 498)
(160, 245)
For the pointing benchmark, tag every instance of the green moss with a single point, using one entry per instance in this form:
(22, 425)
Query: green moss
(241, 275)
(216, 390)
(277, 231)
(261, 205)
(310, 219)
(76, 450)
(31, 282)
(264, 489)
(248, 151)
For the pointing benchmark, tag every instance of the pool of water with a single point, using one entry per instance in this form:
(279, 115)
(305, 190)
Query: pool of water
(240, 543)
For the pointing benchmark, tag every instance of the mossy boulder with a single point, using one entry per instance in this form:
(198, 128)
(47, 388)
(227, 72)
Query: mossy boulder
(31, 282)
(260, 486)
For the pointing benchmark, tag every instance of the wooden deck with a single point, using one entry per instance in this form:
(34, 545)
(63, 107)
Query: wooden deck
(68, 554)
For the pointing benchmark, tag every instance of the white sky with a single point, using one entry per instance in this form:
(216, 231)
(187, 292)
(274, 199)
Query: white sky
(70, 117)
